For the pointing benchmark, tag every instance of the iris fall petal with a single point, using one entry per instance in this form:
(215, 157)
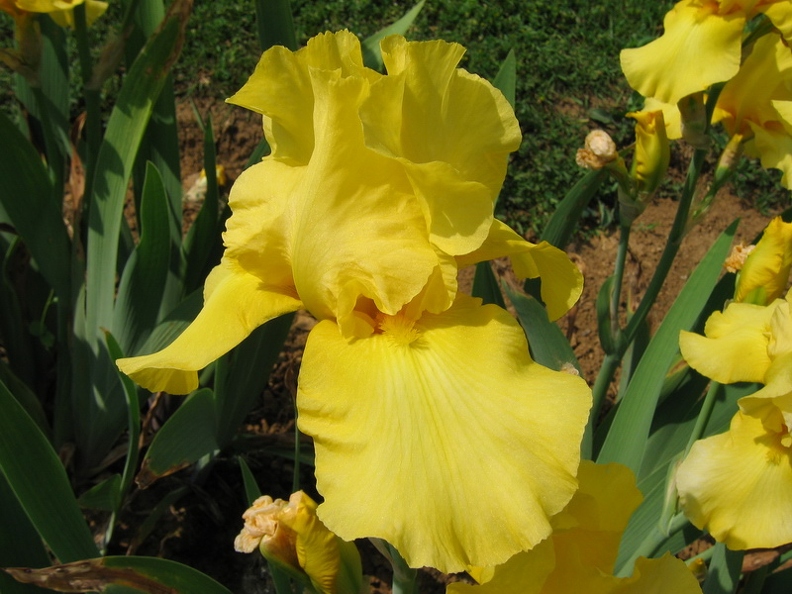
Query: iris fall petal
(235, 304)
(737, 485)
(412, 443)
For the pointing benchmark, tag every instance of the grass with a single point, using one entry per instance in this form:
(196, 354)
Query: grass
(569, 79)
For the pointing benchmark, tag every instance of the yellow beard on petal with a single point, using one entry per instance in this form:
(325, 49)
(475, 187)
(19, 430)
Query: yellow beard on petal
(399, 328)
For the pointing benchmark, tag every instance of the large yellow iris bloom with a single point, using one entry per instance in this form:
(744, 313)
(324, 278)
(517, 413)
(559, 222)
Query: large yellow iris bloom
(433, 428)
(581, 553)
(701, 45)
(737, 485)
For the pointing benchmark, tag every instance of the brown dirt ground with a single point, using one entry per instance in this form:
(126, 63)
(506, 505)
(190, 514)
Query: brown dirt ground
(237, 132)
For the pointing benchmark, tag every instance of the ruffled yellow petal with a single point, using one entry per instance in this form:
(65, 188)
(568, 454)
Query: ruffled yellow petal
(780, 13)
(763, 278)
(765, 76)
(235, 304)
(698, 48)
(738, 485)
(452, 132)
(358, 230)
(735, 346)
(412, 444)
(343, 227)
(525, 573)
(774, 148)
(562, 281)
(580, 554)
(62, 11)
(280, 89)
(587, 533)
(672, 118)
(666, 575)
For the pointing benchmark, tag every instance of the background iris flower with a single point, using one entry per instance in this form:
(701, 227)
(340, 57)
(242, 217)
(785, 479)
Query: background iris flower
(581, 553)
(701, 45)
(737, 485)
(378, 188)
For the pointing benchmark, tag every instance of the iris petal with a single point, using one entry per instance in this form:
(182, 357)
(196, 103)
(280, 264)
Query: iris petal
(735, 346)
(699, 48)
(450, 130)
(236, 303)
(562, 282)
(414, 443)
(737, 485)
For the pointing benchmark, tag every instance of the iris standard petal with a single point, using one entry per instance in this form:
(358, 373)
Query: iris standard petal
(698, 48)
(450, 130)
(735, 346)
(780, 13)
(358, 230)
(414, 443)
(738, 485)
(280, 89)
(562, 281)
(774, 148)
(765, 76)
(235, 304)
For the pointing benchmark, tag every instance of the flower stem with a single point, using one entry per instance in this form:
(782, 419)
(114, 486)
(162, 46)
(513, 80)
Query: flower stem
(618, 278)
(704, 415)
(677, 233)
(404, 576)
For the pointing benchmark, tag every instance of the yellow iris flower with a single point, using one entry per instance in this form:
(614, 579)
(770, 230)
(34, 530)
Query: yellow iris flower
(61, 11)
(755, 104)
(378, 188)
(581, 553)
(700, 46)
(737, 485)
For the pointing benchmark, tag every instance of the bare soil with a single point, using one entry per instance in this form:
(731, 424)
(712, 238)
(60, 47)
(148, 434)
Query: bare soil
(199, 532)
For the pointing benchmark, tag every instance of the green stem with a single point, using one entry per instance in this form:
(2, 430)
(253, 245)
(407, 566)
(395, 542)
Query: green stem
(618, 277)
(671, 248)
(93, 124)
(704, 415)
(603, 380)
(625, 337)
(404, 576)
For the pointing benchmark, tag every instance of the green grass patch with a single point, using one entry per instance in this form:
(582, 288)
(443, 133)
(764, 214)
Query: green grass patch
(568, 73)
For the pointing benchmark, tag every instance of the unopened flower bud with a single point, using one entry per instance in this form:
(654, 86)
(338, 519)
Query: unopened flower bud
(652, 152)
(729, 158)
(736, 259)
(650, 162)
(290, 535)
(765, 273)
(599, 150)
(694, 120)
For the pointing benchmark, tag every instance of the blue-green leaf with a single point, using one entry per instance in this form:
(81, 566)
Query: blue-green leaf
(626, 440)
(38, 479)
